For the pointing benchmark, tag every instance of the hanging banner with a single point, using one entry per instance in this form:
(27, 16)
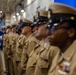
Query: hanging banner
(68, 2)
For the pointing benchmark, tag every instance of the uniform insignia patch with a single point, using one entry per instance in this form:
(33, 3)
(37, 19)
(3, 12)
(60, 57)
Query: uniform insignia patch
(44, 58)
(64, 68)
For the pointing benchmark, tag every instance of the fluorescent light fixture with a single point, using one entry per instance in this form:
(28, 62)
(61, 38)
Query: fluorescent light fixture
(0, 11)
(17, 14)
(22, 10)
(14, 17)
(28, 1)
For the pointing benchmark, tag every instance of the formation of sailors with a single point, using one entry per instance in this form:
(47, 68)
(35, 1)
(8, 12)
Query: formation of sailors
(46, 46)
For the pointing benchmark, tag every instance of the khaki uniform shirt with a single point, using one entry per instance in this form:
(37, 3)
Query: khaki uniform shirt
(34, 55)
(65, 64)
(9, 43)
(5, 42)
(29, 46)
(14, 43)
(46, 56)
(20, 44)
(1, 67)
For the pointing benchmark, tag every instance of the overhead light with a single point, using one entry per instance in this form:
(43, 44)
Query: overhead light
(0, 11)
(28, 1)
(14, 16)
(17, 14)
(22, 10)
(24, 14)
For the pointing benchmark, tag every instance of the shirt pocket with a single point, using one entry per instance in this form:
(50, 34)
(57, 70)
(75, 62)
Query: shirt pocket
(43, 63)
(31, 62)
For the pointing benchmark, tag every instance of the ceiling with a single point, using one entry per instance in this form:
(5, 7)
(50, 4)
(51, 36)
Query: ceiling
(9, 5)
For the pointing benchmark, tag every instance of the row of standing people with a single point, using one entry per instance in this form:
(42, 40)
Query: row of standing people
(44, 47)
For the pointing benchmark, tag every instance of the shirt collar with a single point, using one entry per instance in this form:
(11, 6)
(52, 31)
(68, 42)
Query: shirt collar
(70, 51)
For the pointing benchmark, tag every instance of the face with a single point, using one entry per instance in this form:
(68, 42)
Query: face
(7, 31)
(26, 29)
(41, 31)
(14, 29)
(59, 36)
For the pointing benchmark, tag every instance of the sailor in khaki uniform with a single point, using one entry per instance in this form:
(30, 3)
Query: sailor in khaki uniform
(62, 24)
(11, 55)
(13, 47)
(38, 60)
(29, 44)
(20, 45)
(1, 66)
(38, 20)
(47, 52)
(8, 51)
(5, 45)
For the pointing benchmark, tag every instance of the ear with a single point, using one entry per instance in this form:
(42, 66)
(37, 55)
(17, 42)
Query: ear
(71, 32)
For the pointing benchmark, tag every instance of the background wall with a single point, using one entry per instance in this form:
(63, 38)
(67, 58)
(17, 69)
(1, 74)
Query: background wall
(31, 6)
